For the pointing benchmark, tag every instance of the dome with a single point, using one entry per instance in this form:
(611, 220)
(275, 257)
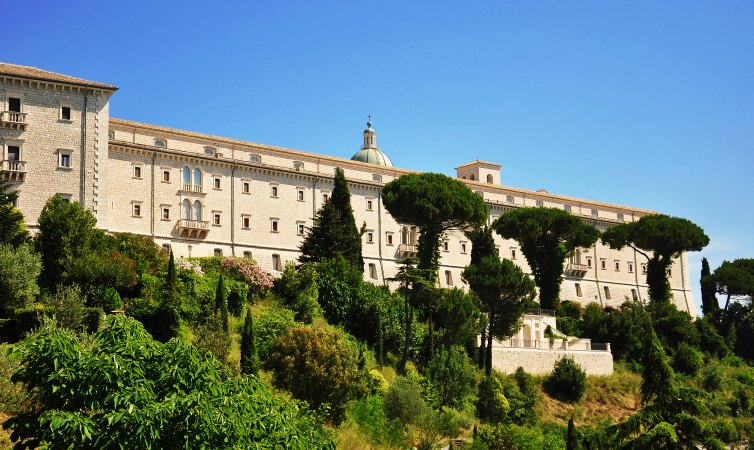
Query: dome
(372, 156)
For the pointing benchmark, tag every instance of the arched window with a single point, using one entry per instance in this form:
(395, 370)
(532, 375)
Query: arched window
(197, 210)
(413, 236)
(489, 178)
(255, 158)
(186, 210)
(471, 177)
(404, 235)
(197, 179)
(376, 177)
(186, 179)
(162, 143)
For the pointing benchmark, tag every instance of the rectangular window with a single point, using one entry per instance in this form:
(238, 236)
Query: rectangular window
(513, 253)
(276, 262)
(448, 278)
(463, 248)
(644, 268)
(389, 238)
(325, 198)
(578, 290)
(370, 237)
(589, 262)
(14, 153)
(64, 159)
(603, 264)
(14, 104)
(369, 204)
(634, 295)
(137, 171)
(607, 293)
(300, 228)
(166, 247)
(246, 187)
(247, 254)
(274, 225)
(630, 267)
(620, 216)
(165, 213)
(137, 210)
(670, 272)
(372, 271)
(497, 250)
(445, 246)
(300, 194)
(216, 219)
(245, 222)
(274, 191)
(567, 208)
(617, 266)
(166, 176)
(65, 113)
(216, 183)
(218, 252)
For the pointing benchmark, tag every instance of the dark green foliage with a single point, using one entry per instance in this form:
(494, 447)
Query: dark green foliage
(434, 203)
(712, 376)
(709, 288)
(12, 226)
(249, 358)
(744, 332)
(522, 396)
(569, 309)
(625, 328)
(672, 326)
(334, 233)
(514, 437)
(67, 234)
(338, 281)
(504, 290)
(299, 290)
(492, 406)
(735, 279)
(710, 340)
(450, 372)
(221, 303)
(320, 365)
(482, 243)
(149, 257)
(128, 391)
(572, 438)
(665, 238)
(567, 382)
(377, 318)
(457, 317)
(237, 296)
(404, 401)
(271, 323)
(212, 336)
(657, 377)
(687, 359)
(19, 269)
(111, 300)
(547, 236)
(72, 316)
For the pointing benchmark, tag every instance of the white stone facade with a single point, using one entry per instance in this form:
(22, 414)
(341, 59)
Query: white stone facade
(254, 199)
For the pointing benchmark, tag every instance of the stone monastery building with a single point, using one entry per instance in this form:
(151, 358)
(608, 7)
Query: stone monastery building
(205, 195)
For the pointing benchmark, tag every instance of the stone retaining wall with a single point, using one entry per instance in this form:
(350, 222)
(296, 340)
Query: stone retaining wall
(541, 362)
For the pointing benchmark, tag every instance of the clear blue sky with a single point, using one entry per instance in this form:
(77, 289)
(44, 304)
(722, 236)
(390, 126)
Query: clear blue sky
(644, 103)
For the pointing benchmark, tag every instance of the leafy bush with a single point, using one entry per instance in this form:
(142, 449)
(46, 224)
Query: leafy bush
(522, 396)
(456, 315)
(299, 289)
(245, 269)
(128, 391)
(339, 281)
(19, 269)
(687, 359)
(271, 323)
(377, 317)
(492, 406)
(212, 337)
(111, 300)
(569, 309)
(149, 256)
(451, 373)
(369, 414)
(513, 437)
(319, 365)
(567, 382)
(712, 377)
(710, 340)
(237, 297)
(404, 401)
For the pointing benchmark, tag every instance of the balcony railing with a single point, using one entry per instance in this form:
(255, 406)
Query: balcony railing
(13, 119)
(572, 344)
(14, 170)
(407, 250)
(192, 228)
(576, 269)
(192, 188)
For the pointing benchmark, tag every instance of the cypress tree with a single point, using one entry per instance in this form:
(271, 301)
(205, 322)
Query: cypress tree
(350, 236)
(166, 321)
(572, 442)
(321, 241)
(709, 300)
(249, 361)
(221, 305)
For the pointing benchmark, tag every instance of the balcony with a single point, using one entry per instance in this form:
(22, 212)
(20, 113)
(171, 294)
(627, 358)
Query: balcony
(13, 120)
(407, 250)
(577, 270)
(192, 188)
(192, 228)
(14, 170)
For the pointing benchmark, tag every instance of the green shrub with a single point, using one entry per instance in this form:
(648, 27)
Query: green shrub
(570, 309)
(299, 290)
(521, 392)
(687, 359)
(271, 323)
(339, 281)
(319, 365)
(19, 269)
(567, 382)
(237, 297)
(712, 377)
(111, 300)
(92, 319)
(369, 414)
(212, 337)
(451, 373)
(492, 406)
(404, 401)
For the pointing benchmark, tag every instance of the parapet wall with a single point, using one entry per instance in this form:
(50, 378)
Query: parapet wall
(541, 362)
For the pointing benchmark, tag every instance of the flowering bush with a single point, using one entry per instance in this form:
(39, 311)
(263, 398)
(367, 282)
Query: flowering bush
(244, 269)
(193, 266)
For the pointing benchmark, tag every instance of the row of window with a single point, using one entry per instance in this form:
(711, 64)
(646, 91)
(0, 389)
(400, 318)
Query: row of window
(15, 104)
(606, 290)
(276, 261)
(14, 148)
(539, 203)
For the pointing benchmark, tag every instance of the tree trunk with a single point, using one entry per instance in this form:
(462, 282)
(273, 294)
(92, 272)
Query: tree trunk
(482, 349)
(657, 279)
(488, 358)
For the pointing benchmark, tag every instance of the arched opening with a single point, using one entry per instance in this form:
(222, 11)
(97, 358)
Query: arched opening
(197, 179)
(471, 177)
(186, 210)
(197, 211)
(412, 237)
(527, 336)
(186, 178)
(489, 178)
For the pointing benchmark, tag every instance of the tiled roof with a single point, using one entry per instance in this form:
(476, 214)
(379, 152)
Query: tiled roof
(44, 75)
